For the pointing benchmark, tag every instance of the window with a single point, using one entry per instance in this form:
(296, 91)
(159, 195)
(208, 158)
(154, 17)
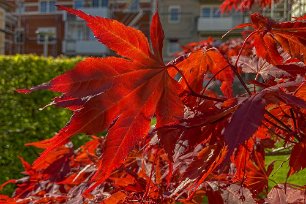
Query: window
(212, 12)
(99, 3)
(104, 3)
(90, 35)
(78, 4)
(173, 46)
(43, 7)
(216, 12)
(95, 3)
(52, 6)
(134, 6)
(41, 39)
(174, 14)
(205, 12)
(20, 7)
(76, 30)
(47, 6)
(46, 32)
(80, 33)
(19, 36)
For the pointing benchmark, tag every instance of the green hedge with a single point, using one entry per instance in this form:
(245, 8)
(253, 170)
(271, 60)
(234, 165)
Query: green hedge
(21, 121)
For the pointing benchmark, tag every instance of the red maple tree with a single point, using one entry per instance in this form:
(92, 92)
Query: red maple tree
(208, 140)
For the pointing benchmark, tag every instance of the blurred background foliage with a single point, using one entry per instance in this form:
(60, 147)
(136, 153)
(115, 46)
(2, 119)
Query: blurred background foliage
(21, 121)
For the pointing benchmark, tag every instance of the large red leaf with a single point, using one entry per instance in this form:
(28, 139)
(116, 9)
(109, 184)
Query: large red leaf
(245, 121)
(110, 99)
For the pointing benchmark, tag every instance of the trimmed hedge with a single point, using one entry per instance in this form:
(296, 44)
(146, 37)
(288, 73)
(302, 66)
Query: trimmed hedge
(21, 121)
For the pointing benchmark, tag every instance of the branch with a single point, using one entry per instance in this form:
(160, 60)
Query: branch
(243, 45)
(283, 124)
(205, 88)
(278, 135)
(275, 125)
(234, 68)
(293, 119)
(192, 91)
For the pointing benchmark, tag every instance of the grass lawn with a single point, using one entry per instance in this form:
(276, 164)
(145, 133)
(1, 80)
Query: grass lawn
(279, 173)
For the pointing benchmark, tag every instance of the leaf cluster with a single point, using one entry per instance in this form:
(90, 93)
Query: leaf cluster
(205, 142)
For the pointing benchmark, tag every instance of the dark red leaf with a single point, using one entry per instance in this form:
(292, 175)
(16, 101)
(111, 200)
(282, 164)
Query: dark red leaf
(297, 160)
(293, 69)
(245, 121)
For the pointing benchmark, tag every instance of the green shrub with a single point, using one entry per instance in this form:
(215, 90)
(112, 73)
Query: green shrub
(21, 121)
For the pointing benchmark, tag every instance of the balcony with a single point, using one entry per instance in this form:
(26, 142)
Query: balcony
(218, 24)
(100, 11)
(79, 40)
(84, 47)
(94, 11)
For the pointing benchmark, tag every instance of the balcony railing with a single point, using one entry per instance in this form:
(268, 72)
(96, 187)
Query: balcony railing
(94, 11)
(215, 24)
(78, 38)
(100, 11)
(84, 47)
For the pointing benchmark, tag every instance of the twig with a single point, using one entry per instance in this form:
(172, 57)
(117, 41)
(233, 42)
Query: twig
(192, 91)
(234, 68)
(205, 88)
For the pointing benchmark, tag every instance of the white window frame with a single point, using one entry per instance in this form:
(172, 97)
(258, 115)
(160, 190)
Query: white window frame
(169, 52)
(20, 9)
(48, 6)
(39, 6)
(75, 6)
(212, 7)
(47, 29)
(132, 2)
(100, 3)
(19, 30)
(178, 7)
(92, 4)
(55, 8)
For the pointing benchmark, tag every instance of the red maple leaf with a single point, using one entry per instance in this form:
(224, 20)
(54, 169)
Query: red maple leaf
(268, 35)
(188, 156)
(201, 62)
(110, 99)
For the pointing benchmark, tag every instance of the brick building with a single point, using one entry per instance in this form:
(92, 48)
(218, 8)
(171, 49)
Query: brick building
(193, 20)
(7, 27)
(2, 28)
(42, 29)
(79, 40)
(187, 21)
